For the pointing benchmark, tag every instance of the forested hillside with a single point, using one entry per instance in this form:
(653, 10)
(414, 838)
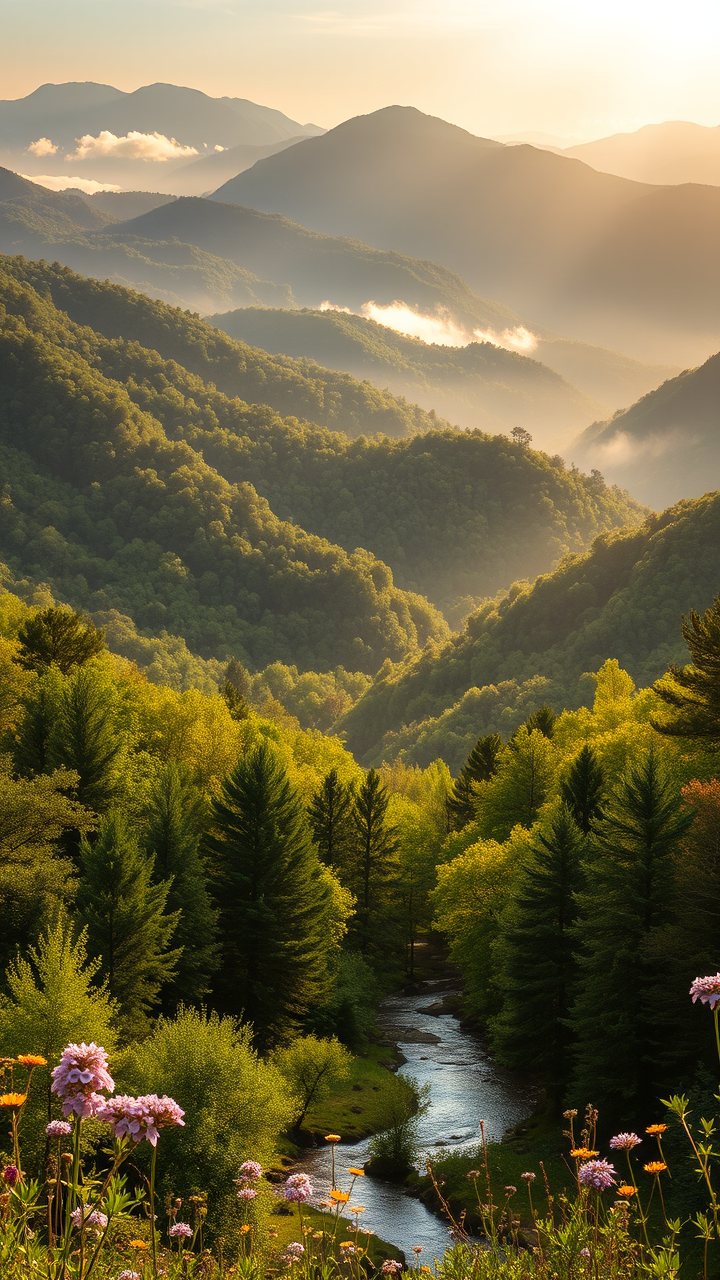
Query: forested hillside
(622, 599)
(99, 501)
(665, 447)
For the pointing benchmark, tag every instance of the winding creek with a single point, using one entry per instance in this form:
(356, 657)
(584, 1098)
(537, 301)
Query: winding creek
(466, 1086)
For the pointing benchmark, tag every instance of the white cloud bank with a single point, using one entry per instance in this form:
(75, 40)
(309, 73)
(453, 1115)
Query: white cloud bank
(439, 329)
(55, 182)
(133, 146)
(43, 147)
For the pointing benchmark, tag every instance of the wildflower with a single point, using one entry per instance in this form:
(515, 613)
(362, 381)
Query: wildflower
(625, 1141)
(139, 1244)
(340, 1197)
(13, 1101)
(627, 1191)
(180, 1230)
(583, 1153)
(598, 1174)
(511, 1190)
(417, 1248)
(391, 1266)
(128, 1275)
(425, 1269)
(11, 1174)
(251, 1169)
(528, 1177)
(571, 1114)
(58, 1129)
(706, 990)
(356, 1208)
(585, 1253)
(298, 1188)
(656, 1129)
(91, 1217)
(246, 1193)
(333, 1137)
(80, 1075)
(32, 1060)
(244, 1229)
(295, 1249)
(474, 1173)
(347, 1244)
(357, 1173)
(138, 1118)
(655, 1166)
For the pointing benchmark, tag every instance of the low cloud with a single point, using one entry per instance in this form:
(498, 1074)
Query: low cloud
(440, 328)
(43, 147)
(133, 146)
(54, 182)
(517, 339)
(623, 449)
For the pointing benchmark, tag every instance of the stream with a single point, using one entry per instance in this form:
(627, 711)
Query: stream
(466, 1086)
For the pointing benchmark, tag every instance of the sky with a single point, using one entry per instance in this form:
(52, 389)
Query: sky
(576, 69)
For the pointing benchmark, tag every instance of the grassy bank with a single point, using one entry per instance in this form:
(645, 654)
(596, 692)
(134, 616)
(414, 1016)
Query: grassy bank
(356, 1107)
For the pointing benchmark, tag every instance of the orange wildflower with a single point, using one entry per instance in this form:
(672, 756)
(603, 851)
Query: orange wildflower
(340, 1197)
(655, 1166)
(357, 1173)
(13, 1100)
(32, 1059)
(332, 1137)
(626, 1191)
(656, 1129)
(583, 1153)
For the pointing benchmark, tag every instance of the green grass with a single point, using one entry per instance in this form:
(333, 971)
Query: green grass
(286, 1227)
(356, 1107)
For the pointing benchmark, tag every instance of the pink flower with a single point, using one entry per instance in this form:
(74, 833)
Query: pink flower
(128, 1275)
(82, 1071)
(706, 990)
(11, 1174)
(180, 1230)
(251, 1169)
(139, 1118)
(625, 1141)
(391, 1266)
(58, 1129)
(91, 1217)
(246, 1193)
(598, 1174)
(528, 1177)
(298, 1188)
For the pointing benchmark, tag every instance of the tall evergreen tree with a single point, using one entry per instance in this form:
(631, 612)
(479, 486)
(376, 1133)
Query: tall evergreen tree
(273, 897)
(58, 637)
(537, 957)
(331, 817)
(627, 900)
(522, 784)
(694, 691)
(86, 736)
(372, 864)
(543, 719)
(583, 789)
(32, 748)
(236, 690)
(128, 927)
(172, 823)
(480, 766)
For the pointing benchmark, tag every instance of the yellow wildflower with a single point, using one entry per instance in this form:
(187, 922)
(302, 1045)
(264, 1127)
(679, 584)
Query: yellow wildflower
(357, 1173)
(583, 1153)
(12, 1100)
(626, 1190)
(655, 1166)
(32, 1060)
(332, 1137)
(656, 1129)
(340, 1197)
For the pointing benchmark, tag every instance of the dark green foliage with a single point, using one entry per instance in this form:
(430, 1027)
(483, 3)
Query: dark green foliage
(32, 748)
(583, 789)
(171, 827)
(272, 897)
(694, 691)
(522, 783)
(331, 817)
(85, 736)
(237, 704)
(543, 719)
(480, 766)
(349, 1013)
(628, 899)
(371, 867)
(537, 960)
(128, 927)
(59, 637)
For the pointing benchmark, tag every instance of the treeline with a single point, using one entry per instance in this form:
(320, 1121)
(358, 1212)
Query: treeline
(582, 894)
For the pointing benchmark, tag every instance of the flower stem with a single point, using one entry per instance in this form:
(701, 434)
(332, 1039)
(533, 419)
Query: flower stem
(152, 1211)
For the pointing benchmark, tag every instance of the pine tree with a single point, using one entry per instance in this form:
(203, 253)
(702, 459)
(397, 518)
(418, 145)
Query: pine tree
(236, 690)
(372, 864)
(172, 823)
(274, 901)
(628, 899)
(537, 957)
(480, 766)
(128, 927)
(58, 637)
(522, 784)
(543, 719)
(583, 789)
(694, 691)
(86, 737)
(330, 813)
(32, 748)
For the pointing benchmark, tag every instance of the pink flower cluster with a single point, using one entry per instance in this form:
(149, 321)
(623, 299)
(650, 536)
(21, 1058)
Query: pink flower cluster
(246, 1193)
(58, 1129)
(91, 1218)
(81, 1073)
(391, 1266)
(11, 1175)
(139, 1118)
(128, 1275)
(598, 1174)
(625, 1141)
(180, 1230)
(298, 1188)
(706, 990)
(250, 1169)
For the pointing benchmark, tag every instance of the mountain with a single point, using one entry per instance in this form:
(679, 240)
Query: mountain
(204, 174)
(101, 503)
(63, 113)
(454, 514)
(127, 204)
(621, 599)
(667, 445)
(669, 153)
(479, 385)
(602, 258)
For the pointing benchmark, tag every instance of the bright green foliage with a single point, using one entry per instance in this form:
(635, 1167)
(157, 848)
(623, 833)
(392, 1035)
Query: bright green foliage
(525, 774)
(125, 917)
(627, 899)
(58, 637)
(34, 881)
(171, 826)
(418, 851)
(86, 737)
(274, 903)
(236, 1105)
(536, 956)
(371, 867)
(480, 766)
(583, 789)
(311, 1067)
(331, 818)
(694, 691)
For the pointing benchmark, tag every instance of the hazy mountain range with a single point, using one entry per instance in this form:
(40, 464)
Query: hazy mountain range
(669, 153)
(629, 265)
